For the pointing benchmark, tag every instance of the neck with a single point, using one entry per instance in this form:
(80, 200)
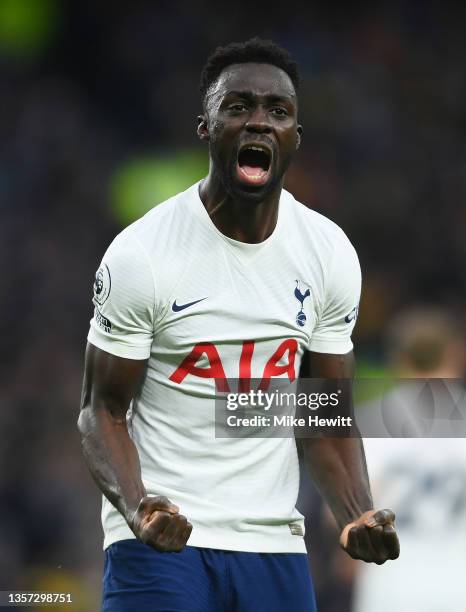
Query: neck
(241, 219)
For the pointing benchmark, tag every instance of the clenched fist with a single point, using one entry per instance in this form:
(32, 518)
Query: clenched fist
(158, 523)
(372, 537)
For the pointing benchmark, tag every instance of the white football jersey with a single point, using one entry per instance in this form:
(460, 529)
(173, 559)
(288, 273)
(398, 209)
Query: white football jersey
(202, 308)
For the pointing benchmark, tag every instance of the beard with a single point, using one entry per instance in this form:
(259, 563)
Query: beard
(225, 170)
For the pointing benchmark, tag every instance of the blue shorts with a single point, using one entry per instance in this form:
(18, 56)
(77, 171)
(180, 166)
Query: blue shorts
(138, 578)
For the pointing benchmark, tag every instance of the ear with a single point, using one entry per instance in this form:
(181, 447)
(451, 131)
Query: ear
(299, 136)
(202, 127)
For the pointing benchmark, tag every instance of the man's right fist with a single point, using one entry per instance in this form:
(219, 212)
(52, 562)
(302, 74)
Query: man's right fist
(158, 523)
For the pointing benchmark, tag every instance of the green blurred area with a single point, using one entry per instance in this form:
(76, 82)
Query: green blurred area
(367, 368)
(27, 26)
(366, 371)
(142, 183)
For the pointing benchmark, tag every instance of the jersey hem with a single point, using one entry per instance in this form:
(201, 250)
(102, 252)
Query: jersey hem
(115, 348)
(239, 542)
(333, 347)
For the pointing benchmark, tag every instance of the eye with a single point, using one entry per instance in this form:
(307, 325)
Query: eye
(238, 107)
(279, 110)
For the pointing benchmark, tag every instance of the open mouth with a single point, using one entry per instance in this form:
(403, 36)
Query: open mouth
(253, 165)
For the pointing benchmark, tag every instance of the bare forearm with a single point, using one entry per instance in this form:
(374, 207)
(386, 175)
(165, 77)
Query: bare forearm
(338, 468)
(112, 459)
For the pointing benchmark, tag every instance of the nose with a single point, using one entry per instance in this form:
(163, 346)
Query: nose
(259, 121)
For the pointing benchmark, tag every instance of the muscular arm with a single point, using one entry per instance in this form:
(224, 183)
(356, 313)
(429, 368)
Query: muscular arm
(337, 465)
(110, 383)
(338, 468)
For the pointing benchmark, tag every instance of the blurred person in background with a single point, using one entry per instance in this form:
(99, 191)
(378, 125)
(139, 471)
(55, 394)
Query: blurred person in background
(203, 285)
(424, 479)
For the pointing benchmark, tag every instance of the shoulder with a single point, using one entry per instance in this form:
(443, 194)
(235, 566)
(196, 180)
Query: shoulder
(153, 250)
(156, 230)
(129, 255)
(316, 229)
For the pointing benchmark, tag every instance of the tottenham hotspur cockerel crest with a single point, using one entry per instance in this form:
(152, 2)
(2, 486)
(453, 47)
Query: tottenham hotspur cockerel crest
(301, 294)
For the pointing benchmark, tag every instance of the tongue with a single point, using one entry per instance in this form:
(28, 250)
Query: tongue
(252, 175)
(253, 170)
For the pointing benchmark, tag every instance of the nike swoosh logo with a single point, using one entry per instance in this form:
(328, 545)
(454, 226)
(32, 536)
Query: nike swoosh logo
(177, 307)
(352, 315)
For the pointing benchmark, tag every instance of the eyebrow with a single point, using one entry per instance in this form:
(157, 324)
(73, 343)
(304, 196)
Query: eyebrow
(250, 95)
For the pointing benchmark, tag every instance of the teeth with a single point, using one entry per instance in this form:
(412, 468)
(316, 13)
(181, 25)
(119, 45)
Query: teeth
(261, 149)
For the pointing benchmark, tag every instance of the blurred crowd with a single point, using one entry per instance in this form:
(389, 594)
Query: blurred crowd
(89, 87)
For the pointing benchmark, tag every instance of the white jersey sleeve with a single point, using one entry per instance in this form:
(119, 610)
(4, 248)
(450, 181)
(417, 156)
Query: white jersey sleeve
(124, 300)
(337, 317)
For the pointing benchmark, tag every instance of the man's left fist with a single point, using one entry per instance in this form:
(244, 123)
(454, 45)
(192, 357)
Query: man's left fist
(372, 537)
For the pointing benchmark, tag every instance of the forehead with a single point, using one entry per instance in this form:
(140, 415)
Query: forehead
(261, 79)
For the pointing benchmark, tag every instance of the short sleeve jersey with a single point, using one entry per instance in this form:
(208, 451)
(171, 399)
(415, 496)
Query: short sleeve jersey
(202, 307)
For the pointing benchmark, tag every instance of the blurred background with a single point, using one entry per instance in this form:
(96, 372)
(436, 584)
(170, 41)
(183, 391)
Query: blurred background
(97, 125)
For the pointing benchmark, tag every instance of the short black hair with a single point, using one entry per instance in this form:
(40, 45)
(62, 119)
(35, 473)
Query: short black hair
(253, 50)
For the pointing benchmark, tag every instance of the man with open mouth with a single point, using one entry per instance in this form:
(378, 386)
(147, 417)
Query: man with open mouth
(220, 289)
